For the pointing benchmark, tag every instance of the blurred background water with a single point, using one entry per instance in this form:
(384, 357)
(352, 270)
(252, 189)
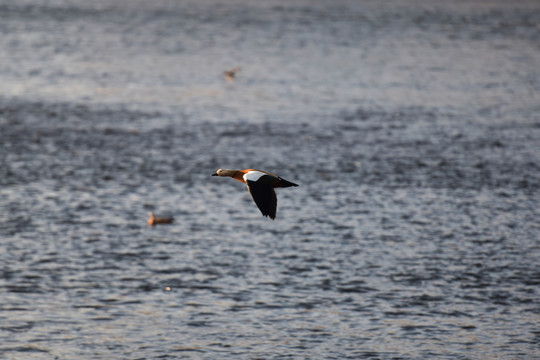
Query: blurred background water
(412, 127)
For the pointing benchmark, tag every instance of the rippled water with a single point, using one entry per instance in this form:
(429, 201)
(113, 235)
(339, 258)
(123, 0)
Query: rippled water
(412, 129)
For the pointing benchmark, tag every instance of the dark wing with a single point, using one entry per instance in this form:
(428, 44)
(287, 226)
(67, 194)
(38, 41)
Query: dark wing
(264, 196)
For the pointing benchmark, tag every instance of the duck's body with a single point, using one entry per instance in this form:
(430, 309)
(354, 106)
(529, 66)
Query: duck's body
(261, 186)
(153, 220)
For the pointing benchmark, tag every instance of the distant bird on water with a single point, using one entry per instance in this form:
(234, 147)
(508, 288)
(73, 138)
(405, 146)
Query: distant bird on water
(230, 74)
(261, 186)
(159, 220)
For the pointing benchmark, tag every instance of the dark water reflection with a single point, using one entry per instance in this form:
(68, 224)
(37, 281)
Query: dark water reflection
(414, 233)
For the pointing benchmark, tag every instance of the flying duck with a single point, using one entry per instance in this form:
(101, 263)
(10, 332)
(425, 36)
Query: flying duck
(261, 186)
(230, 74)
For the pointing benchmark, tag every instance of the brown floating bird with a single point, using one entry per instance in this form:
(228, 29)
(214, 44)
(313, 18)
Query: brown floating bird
(230, 74)
(159, 220)
(261, 186)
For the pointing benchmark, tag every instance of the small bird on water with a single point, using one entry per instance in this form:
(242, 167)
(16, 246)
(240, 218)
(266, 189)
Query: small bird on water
(230, 74)
(261, 186)
(159, 220)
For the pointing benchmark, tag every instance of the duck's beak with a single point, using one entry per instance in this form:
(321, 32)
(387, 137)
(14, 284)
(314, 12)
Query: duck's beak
(215, 174)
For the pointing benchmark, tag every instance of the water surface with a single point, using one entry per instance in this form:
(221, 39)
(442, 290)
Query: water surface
(411, 127)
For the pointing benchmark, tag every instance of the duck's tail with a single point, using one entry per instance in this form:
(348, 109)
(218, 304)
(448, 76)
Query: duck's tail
(285, 183)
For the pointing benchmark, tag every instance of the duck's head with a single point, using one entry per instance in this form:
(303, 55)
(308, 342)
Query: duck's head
(224, 172)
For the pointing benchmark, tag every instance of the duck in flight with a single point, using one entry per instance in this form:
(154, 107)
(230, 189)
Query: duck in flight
(231, 74)
(261, 186)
